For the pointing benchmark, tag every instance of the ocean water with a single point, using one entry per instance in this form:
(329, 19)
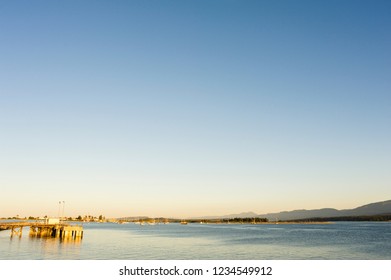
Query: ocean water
(107, 241)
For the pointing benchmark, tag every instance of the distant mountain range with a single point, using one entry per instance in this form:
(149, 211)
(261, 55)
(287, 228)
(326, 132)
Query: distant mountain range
(378, 208)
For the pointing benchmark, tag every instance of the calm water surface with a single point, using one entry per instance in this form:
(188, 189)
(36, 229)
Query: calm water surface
(343, 240)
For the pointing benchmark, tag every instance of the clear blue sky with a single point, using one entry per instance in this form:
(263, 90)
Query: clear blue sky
(191, 108)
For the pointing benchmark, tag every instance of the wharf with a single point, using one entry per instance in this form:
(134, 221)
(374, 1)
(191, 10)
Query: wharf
(59, 230)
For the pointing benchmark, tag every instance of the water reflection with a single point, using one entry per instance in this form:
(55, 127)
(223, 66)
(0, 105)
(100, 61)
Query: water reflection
(56, 248)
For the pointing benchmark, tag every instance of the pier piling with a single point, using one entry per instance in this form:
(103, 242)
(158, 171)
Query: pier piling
(16, 230)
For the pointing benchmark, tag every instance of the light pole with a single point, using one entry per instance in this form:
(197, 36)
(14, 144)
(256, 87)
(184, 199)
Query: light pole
(59, 207)
(63, 207)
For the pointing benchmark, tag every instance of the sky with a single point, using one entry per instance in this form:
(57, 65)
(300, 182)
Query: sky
(192, 108)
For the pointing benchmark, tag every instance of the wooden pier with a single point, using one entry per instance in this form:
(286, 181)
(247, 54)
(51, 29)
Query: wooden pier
(60, 230)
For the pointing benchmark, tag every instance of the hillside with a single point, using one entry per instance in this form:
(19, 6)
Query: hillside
(377, 208)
